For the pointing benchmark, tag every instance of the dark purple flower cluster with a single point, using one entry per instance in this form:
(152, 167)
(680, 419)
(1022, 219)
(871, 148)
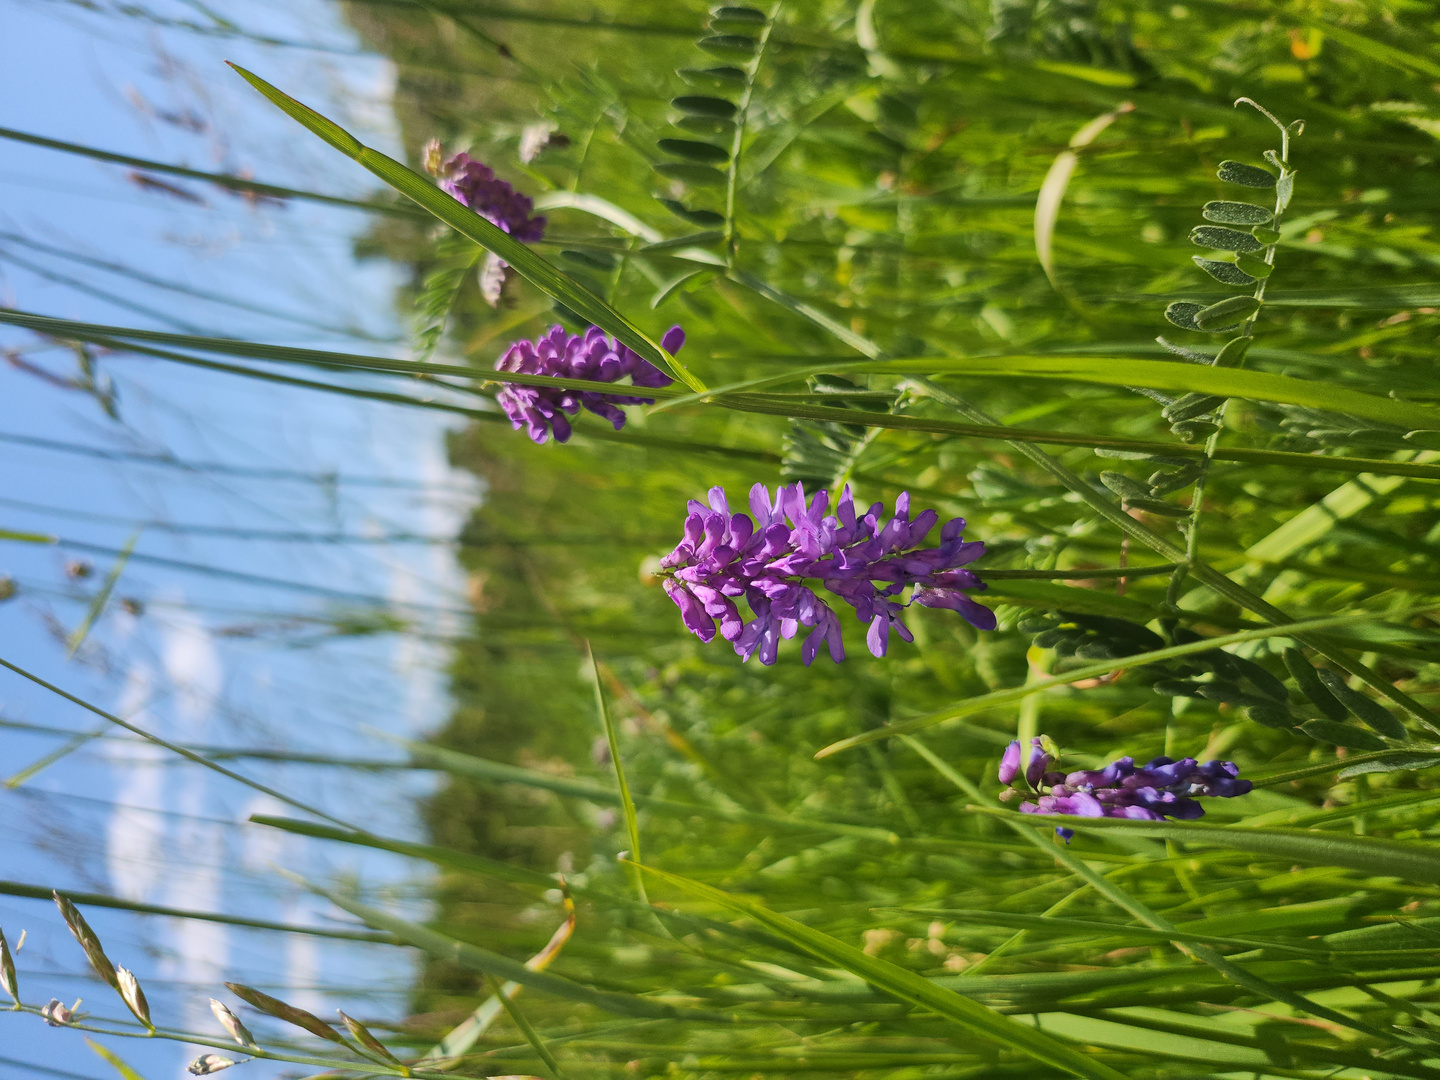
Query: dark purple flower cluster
(866, 560)
(1159, 789)
(475, 184)
(591, 356)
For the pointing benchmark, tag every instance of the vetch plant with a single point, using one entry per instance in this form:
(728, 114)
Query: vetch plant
(1161, 788)
(767, 560)
(475, 184)
(592, 356)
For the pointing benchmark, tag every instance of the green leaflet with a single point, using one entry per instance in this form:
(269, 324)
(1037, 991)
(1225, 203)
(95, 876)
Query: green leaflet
(1227, 273)
(1338, 734)
(542, 274)
(702, 105)
(1227, 313)
(1236, 213)
(903, 984)
(1223, 239)
(1237, 172)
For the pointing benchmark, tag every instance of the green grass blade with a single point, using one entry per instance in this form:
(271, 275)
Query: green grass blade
(1161, 375)
(189, 755)
(903, 984)
(526, 1028)
(102, 598)
(542, 274)
(627, 803)
(1089, 671)
(1367, 855)
(46, 893)
(479, 768)
(1090, 927)
(58, 754)
(1381, 760)
(26, 537)
(1204, 953)
(773, 405)
(440, 856)
(483, 960)
(1152, 374)
(236, 184)
(114, 1060)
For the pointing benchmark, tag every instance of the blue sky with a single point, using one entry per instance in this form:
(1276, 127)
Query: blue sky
(210, 659)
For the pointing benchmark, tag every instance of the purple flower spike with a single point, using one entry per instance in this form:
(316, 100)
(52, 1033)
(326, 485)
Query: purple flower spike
(772, 559)
(593, 356)
(1162, 788)
(476, 185)
(1010, 763)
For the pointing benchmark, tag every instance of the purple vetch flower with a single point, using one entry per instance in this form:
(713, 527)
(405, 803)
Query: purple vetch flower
(1162, 788)
(475, 184)
(1010, 763)
(1039, 762)
(593, 356)
(865, 559)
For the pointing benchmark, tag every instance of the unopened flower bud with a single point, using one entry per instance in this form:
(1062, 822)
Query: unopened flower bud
(231, 1023)
(1010, 763)
(206, 1064)
(133, 996)
(1038, 763)
(431, 157)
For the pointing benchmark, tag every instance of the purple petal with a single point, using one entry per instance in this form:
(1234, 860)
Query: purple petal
(692, 612)
(1010, 763)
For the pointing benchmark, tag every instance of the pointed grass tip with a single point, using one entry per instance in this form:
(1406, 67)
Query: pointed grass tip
(322, 126)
